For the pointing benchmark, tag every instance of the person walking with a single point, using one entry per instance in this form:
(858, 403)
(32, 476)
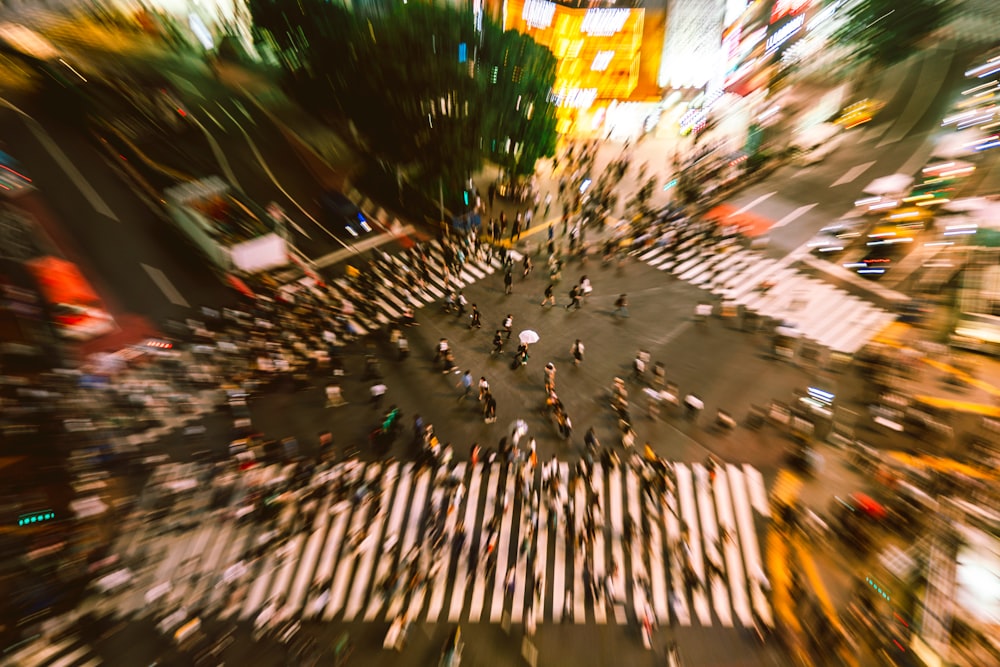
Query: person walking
(498, 342)
(489, 409)
(550, 296)
(466, 384)
(577, 352)
(403, 345)
(460, 303)
(527, 267)
(575, 298)
(550, 378)
(621, 305)
(508, 282)
(378, 392)
(508, 324)
(548, 204)
(475, 318)
(515, 230)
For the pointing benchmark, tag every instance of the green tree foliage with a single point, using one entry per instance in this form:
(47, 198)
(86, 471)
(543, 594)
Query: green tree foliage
(884, 32)
(425, 89)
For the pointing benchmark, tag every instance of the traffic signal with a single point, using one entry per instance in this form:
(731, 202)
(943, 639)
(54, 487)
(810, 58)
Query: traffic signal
(36, 517)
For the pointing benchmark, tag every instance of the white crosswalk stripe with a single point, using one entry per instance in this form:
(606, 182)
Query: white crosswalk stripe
(693, 557)
(824, 314)
(394, 291)
(69, 651)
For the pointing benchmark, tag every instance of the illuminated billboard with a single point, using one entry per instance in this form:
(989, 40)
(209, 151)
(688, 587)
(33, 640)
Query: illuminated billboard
(596, 49)
(692, 49)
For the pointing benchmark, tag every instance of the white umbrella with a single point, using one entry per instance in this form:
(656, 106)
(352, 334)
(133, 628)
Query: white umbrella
(892, 184)
(528, 337)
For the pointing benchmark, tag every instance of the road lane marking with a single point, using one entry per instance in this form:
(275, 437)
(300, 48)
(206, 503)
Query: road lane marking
(243, 110)
(220, 156)
(167, 287)
(749, 206)
(214, 119)
(86, 189)
(794, 215)
(852, 174)
(273, 178)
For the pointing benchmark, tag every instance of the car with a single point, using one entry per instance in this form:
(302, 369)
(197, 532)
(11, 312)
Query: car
(859, 113)
(878, 260)
(451, 654)
(339, 210)
(833, 239)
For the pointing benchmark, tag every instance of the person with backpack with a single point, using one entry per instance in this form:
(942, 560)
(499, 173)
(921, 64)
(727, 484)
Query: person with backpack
(574, 295)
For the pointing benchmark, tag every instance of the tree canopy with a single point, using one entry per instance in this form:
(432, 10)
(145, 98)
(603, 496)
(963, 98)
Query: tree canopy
(427, 90)
(884, 32)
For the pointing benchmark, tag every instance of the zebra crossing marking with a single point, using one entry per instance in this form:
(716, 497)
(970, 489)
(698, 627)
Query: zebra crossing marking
(333, 568)
(716, 575)
(823, 313)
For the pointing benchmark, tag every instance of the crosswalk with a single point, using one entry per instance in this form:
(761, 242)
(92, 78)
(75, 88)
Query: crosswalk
(393, 296)
(684, 553)
(69, 651)
(820, 312)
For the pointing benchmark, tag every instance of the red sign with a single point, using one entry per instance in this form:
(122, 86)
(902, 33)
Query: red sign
(783, 8)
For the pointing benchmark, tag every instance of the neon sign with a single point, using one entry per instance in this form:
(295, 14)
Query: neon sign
(604, 22)
(538, 13)
(785, 33)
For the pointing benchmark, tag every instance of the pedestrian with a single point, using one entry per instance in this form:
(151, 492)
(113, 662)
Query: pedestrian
(659, 375)
(508, 324)
(515, 230)
(639, 367)
(621, 305)
(498, 342)
(460, 303)
(550, 296)
(474, 454)
(489, 409)
(548, 202)
(334, 396)
(466, 384)
(442, 350)
(574, 296)
(585, 287)
(528, 216)
(475, 318)
(508, 282)
(378, 392)
(403, 346)
(484, 388)
(550, 378)
(577, 352)
(527, 267)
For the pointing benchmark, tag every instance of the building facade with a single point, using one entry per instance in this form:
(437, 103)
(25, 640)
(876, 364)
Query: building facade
(597, 49)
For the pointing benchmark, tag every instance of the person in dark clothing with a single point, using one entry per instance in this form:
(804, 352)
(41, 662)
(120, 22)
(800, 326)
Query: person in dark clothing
(508, 282)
